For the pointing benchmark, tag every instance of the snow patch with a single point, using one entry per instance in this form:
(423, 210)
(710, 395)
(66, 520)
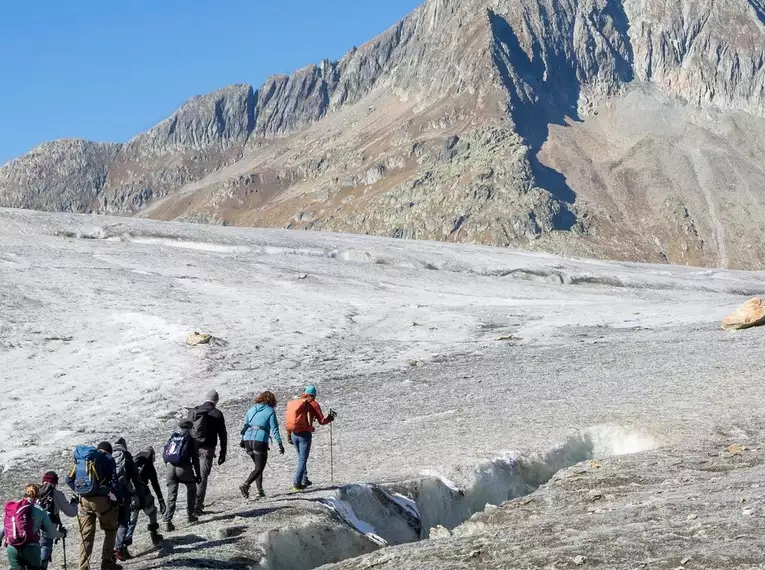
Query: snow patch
(436, 475)
(195, 245)
(345, 511)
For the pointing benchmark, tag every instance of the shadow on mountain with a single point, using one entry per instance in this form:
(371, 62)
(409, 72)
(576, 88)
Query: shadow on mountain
(544, 90)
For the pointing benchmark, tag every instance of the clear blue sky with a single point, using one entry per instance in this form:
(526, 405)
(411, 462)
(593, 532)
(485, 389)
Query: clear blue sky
(108, 69)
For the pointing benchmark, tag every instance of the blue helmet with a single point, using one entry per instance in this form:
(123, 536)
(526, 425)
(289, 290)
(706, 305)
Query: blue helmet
(310, 390)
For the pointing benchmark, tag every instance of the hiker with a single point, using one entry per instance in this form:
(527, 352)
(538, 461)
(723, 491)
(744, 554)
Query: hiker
(147, 474)
(21, 530)
(182, 459)
(301, 413)
(209, 427)
(94, 479)
(130, 489)
(260, 423)
(53, 502)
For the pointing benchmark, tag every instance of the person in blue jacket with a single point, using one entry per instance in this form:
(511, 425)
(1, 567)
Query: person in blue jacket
(260, 423)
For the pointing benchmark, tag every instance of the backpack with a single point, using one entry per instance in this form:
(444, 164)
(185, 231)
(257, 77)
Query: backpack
(19, 524)
(295, 410)
(91, 471)
(46, 500)
(200, 418)
(121, 457)
(177, 449)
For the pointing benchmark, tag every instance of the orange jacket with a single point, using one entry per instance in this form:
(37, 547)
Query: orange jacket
(301, 414)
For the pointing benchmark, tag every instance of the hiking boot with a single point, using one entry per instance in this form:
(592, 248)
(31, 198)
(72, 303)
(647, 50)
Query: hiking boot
(169, 526)
(307, 483)
(156, 538)
(200, 512)
(261, 494)
(298, 488)
(122, 554)
(192, 519)
(245, 491)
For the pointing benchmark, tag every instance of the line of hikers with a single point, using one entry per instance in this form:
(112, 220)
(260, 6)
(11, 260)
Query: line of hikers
(112, 487)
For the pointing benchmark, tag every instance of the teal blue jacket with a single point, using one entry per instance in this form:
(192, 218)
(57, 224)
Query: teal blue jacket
(259, 422)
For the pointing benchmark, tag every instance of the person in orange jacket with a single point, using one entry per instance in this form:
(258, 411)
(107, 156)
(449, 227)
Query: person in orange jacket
(302, 412)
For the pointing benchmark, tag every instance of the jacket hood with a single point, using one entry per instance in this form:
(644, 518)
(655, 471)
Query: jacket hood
(118, 448)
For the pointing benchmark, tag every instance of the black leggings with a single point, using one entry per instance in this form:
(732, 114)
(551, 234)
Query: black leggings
(258, 452)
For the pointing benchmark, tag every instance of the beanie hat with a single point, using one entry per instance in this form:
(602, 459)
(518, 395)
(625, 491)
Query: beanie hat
(212, 396)
(50, 477)
(310, 390)
(105, 446)
(121, 441)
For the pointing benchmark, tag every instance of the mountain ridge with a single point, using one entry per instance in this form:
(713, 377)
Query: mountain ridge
(451, 125)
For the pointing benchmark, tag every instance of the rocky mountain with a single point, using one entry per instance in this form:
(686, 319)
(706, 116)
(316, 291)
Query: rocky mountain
(629, 129)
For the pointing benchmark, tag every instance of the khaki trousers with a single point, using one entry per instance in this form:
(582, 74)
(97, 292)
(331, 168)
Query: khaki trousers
(103, 510)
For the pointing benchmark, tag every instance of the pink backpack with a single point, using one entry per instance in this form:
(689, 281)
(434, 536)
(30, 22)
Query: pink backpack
(19, 523)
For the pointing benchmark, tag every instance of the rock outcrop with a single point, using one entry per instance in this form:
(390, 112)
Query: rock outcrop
(629, 129)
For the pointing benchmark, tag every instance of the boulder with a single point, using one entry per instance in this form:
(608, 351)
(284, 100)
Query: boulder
(195, 338)
(750, 314)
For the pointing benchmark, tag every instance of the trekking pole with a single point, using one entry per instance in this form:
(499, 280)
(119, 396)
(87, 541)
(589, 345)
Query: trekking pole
(331, 457)
(63, 543)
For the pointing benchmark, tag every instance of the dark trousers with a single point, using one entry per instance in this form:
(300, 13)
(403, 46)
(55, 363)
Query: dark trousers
(258, 452)
(125, 534)
(206, 456)
(175, 477)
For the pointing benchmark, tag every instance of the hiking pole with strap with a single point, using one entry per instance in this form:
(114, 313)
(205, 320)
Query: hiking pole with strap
(63, 544)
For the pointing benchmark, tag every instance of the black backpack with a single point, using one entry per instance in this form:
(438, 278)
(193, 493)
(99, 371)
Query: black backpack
(200, 418)
(47, 502)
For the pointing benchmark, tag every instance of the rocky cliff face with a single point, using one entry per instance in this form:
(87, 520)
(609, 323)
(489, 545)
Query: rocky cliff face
(512, 122)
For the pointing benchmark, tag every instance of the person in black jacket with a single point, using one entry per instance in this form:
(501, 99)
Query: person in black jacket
(214, 430)
(130, 490)
(147, 475)
(186, 473)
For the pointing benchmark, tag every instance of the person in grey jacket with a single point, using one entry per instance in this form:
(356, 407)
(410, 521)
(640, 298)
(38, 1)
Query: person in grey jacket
(54, 502)
(130, 490)
(188, 474)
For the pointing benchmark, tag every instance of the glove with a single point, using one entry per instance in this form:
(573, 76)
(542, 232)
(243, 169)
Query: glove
(63, 532)
(241, 444)
(221, 459)
(74, 500)
(162, 506)
(289, 439)
(281, 449)
(332, 415)
(198, 479)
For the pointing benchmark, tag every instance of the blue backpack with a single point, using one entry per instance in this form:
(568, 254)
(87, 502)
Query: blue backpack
(92, 472)
(177, 448)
